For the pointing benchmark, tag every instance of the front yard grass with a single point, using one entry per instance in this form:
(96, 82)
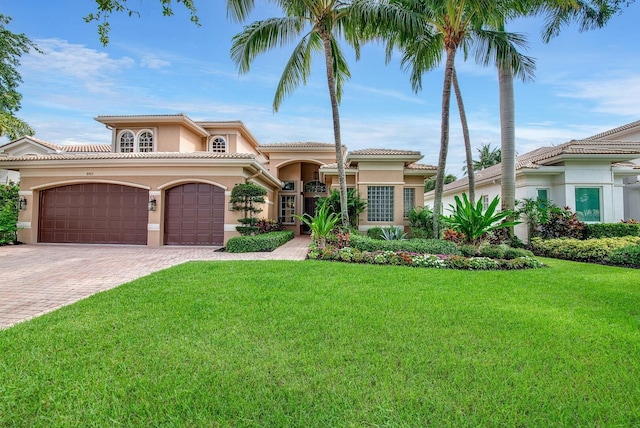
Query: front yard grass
(329, 344)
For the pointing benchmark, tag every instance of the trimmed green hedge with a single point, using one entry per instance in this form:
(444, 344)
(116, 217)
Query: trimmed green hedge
(422, 246)
(375, 233)
(259, 243)
(590, 250)
(627, 256)
(611, 230)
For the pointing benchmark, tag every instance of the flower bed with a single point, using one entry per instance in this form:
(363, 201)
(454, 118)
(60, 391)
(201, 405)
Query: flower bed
(404, 258)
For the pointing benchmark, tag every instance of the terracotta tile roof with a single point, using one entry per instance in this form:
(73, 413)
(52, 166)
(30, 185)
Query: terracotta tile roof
(385, 152)
(151, 155)
(542, 156)
(297, 144)
(421, 167)
(74, 148)
(614, 130)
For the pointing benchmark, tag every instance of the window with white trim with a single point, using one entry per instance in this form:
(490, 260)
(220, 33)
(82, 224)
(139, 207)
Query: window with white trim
(145, 142)
(485, 202)
(588, 204)
(380, 203)
(409, 201)
(287, 209)
(126, 142)
(218, 145)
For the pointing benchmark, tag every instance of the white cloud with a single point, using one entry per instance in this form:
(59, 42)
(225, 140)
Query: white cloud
(154, 63)
(614, 93)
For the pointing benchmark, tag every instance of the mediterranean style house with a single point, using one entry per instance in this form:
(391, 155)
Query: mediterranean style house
(167, 180)
(597, 177)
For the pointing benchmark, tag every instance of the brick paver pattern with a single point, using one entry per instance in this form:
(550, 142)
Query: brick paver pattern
(36, 279)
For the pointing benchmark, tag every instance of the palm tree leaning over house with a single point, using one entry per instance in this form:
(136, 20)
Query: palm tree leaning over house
(444, 26)
(316, 25)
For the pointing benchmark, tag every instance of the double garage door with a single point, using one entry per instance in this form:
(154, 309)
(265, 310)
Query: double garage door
(100, 213)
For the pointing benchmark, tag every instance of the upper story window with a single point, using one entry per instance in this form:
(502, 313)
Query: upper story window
(218, 145)
(129, 143)
(145, 141)
(126, 142)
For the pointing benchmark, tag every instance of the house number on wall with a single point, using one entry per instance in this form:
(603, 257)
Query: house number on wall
(89, 173)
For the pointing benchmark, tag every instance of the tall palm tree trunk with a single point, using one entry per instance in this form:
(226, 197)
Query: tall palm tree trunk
(467, 141)
(444, 140)
(344, 211)
(507, 138)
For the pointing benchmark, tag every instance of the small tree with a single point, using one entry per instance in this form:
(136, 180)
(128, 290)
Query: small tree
(244, 197)
(355, 205)
(8, 213)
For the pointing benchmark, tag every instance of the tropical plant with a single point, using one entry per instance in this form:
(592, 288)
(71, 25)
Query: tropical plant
(12, 47)
(430, 183)
(355, 205)
(321, 224)
(245, 197)
(488, 156)
(393, 233)
(474, 222)
(448, 25)
(8, 213)
(318, 25)
(420, 221)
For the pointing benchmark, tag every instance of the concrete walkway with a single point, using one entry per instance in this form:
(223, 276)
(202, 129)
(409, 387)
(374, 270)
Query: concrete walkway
(36, 279)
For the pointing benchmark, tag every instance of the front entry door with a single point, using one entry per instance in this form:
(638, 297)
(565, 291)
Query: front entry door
(309, 208)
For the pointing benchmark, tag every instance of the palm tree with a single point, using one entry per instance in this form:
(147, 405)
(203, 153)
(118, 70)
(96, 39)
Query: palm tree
(317, 25)
(590, 15)
(488, 157)
(444, 26)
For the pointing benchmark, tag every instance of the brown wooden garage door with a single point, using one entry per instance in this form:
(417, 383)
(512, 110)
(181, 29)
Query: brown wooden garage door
(94, 213)
(194, 215)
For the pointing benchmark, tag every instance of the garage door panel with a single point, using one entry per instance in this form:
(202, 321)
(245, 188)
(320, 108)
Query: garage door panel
(194, 215)
(94, 213)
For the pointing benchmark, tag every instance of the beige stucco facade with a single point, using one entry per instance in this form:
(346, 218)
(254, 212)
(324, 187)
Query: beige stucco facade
(159, 154)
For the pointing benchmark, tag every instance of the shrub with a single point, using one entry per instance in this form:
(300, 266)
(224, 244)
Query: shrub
(422, 246)
(321, 224)
(355, 205)
(8, 213)
(258, 243)
(468, 250)
(561, 223)
(611, 230)
(514, 253)
(590, 250)
(268, 225)
(375, 233)
(626, 256)
(246, 197)
(491, 251)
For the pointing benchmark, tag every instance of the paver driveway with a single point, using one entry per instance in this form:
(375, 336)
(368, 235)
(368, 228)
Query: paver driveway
(36, 279)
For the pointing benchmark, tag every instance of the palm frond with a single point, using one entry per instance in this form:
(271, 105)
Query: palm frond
(261, 36)
(501, 48)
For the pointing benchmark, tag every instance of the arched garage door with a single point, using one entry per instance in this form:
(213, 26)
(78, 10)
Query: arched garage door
(94, 213)
(194, 215)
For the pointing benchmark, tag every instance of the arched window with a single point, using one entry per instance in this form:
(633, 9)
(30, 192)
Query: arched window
(126, 142)
(145, 141)
(218, 145)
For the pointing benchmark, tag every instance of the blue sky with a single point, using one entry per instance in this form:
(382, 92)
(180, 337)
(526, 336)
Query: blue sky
(585, 82)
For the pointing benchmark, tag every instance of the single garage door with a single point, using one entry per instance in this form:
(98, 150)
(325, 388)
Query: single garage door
(194, 215)
(94, 213)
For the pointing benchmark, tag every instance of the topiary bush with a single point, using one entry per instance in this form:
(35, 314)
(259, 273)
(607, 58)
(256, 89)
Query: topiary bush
(259, 243)
(611, 230)
(423, 246)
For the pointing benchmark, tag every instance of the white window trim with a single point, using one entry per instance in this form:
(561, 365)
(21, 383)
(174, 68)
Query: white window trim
(153, 136)
(223, 138)
(136, 139)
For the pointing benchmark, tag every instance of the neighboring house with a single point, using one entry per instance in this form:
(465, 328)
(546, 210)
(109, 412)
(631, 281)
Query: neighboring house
(167, 180)
(596, 177)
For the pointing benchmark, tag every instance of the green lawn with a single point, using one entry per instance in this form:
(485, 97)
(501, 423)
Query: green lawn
(308, 344)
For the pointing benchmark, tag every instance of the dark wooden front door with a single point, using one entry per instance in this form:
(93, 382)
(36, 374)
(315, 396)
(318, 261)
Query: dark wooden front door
(93, 213)
(194, 215)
